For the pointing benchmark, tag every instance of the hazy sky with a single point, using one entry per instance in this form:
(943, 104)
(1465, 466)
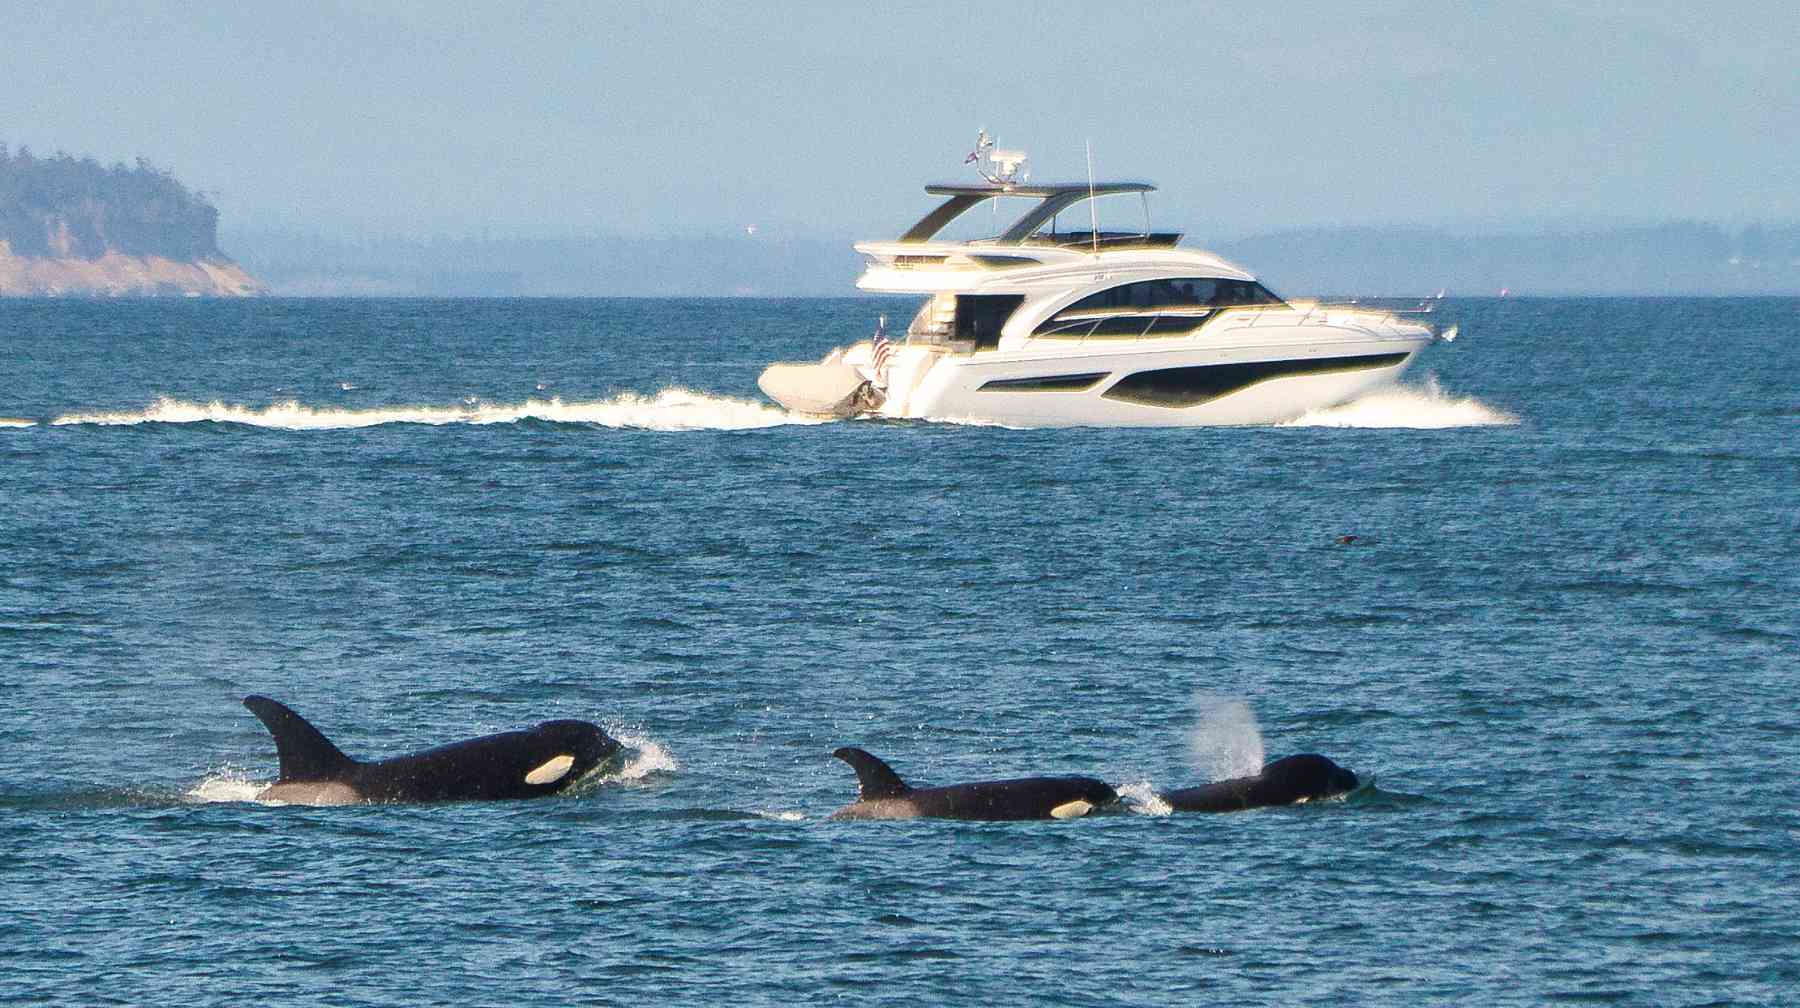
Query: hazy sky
(825, 119)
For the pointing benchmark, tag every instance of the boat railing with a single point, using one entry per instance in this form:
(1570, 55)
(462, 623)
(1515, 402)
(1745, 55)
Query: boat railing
(1368, 318)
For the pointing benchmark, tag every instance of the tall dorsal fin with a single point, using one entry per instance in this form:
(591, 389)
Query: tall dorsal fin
(874, 779)
(305, 754)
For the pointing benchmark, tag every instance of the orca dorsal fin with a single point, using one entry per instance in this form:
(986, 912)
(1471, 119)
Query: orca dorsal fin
(874, 779)
(305, 754)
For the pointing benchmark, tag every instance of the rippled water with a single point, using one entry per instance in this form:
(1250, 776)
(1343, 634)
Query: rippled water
(1563, 645)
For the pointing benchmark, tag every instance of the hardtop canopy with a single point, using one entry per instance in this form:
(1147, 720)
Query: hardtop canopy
(1053, 199)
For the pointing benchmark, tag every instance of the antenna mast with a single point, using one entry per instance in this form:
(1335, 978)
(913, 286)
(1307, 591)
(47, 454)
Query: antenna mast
(1005, 168)
(1093, 211)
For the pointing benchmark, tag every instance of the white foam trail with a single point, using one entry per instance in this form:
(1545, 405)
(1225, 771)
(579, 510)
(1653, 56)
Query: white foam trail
(671, 409)
(1225, 741)
(227, 786)
(1428, 408)
(16, 422)
(1142, 799)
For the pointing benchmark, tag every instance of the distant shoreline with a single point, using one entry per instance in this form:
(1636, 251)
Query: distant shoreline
(115, 275)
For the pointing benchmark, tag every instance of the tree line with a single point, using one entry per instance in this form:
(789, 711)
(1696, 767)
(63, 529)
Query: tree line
(64, 205)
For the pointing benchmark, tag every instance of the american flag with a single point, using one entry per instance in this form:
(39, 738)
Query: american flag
(880, 353)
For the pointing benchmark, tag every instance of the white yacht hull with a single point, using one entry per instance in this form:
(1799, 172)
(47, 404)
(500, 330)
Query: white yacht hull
(1281, 373)
(955, 393)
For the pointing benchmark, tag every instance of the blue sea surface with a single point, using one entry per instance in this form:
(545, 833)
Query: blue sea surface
(1566, 648)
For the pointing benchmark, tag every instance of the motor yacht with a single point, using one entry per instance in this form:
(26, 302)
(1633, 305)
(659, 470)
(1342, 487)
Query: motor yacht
(1037, 325)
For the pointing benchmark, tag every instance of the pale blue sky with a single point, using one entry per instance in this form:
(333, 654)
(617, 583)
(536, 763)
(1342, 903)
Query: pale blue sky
(825, 119)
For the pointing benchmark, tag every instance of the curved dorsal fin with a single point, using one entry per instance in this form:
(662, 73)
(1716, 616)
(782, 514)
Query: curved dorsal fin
(874, 779)
(305, 753)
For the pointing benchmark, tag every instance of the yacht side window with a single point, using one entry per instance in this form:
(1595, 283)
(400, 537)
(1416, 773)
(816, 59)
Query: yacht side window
(1236, 293)
(1165, 307)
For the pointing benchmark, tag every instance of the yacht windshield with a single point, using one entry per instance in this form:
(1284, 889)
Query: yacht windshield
(1112, 215)
(1009, 214)
(986, 220)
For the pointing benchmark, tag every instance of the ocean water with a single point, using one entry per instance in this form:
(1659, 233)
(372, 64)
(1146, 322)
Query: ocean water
(1564, 647)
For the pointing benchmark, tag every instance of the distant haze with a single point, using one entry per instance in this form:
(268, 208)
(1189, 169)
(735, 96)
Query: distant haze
(823, 120)
(1667, 259)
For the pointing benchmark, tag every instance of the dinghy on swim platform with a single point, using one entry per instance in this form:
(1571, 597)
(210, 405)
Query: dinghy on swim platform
(828, 388)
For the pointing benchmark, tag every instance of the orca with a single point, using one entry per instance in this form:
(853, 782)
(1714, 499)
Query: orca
(881, 794)
(1286, 781)
(517, 764)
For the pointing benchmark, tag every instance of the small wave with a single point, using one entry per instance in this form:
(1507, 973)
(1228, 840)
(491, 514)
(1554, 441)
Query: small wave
(972, 421)
(709, 815)
(671, 409)
(16, 422)
(1428, 408)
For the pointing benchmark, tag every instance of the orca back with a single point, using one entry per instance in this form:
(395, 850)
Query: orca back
(1016, 799)
(1282, 782)
(516, 764)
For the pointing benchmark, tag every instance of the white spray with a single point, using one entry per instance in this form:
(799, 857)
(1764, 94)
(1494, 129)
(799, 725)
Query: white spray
(1428, 408)
(643, 757)
(1225, 741)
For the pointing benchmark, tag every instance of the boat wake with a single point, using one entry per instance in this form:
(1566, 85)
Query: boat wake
(1427, 408)
(680, 409)
(671, 409)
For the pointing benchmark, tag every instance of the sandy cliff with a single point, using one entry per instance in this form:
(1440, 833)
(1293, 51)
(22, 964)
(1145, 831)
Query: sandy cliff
(115, 274)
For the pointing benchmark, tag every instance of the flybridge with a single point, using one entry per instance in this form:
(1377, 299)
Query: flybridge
(1052, 200)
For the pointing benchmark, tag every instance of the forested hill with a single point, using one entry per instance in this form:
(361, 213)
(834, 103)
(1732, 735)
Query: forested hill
(62, 207)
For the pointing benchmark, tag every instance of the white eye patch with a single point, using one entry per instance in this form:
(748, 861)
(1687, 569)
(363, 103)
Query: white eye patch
(552, 769)
(1071, 810)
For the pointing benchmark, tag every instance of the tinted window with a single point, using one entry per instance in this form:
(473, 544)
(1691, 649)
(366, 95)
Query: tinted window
(1232, 293)
(1177, 325)
(1123, 325)
(1190, 386)
(1153, 295)
(1150, 294)
(1049, 383)
(980, 316)
(1067, 328)
(1196, 292)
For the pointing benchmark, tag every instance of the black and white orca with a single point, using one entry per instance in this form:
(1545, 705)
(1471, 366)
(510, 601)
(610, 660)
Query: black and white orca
(1285, 781)
(518, 764)
(883, 795)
